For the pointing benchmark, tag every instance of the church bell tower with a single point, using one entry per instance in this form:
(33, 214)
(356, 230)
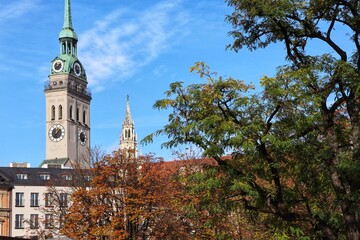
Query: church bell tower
(67, 103)
(128, 138)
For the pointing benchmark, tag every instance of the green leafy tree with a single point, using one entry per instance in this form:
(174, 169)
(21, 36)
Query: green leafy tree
(295, 145)
(209, 204)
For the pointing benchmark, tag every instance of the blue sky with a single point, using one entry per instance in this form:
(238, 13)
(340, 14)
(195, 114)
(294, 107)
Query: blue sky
(132, 47)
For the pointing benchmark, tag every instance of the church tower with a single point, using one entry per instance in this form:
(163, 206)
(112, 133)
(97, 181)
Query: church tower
(128, 138)
(67, 103)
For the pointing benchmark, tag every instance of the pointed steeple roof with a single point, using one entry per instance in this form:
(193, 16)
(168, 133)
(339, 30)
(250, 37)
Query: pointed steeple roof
(128, 137)
(68, 30)
(67, 15)
(128, 119)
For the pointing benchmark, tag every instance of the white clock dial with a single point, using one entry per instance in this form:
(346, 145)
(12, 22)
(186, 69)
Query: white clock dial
(56, 132)
(77, 69)
(82, 137)
(58, 65)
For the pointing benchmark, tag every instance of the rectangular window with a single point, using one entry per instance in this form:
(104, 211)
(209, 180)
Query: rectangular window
(22, 176)
(63, 199)
(19, 199)
(84, 116)
(71, 112)
(45, 176)
(34, 200)
(19, 221)
(2, 200)
(34, 221)
(67, 177)
(49, 200)
(49, 221)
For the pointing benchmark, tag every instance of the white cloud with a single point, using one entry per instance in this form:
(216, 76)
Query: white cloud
(15, 9)
(122, 42)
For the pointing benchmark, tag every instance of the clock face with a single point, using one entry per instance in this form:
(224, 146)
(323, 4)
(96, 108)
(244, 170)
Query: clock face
(56, 133)
(82, 137)
(58, 66)
(77, 69)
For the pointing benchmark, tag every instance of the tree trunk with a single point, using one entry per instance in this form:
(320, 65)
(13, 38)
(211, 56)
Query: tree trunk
(351, 222)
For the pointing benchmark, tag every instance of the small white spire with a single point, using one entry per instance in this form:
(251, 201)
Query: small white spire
(128, 138)
(128, 119)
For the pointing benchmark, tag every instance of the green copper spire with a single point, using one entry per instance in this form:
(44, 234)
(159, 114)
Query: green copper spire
(67, 15)
(67, 30)
(67, 61)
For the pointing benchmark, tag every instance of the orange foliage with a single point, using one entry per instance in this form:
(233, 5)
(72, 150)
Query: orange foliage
(127, 199)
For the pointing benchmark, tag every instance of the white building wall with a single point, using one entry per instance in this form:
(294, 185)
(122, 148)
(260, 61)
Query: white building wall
(27, 209)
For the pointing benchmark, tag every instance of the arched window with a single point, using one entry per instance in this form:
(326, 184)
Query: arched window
(53, 112)
(129, 133)
(77, 114)
(71, 112)
(84, 116)
(69, 48)
(63, 48)
(60, 112)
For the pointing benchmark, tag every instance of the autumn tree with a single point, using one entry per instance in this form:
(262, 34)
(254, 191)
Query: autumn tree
(295, 144)
(126, 198)
(59, 189)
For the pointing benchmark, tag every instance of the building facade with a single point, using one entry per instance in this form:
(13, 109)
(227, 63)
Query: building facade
(5, 207)
(31, 199)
